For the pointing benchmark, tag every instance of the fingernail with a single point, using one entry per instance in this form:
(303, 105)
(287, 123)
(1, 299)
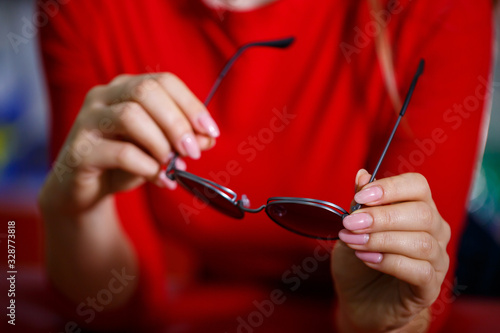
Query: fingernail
(357, 239)
(373, 257)
(164, 181)
(357, 221)
(209, 125)
(367, 195)
(356, 181)
(191, 146)
(180, 164)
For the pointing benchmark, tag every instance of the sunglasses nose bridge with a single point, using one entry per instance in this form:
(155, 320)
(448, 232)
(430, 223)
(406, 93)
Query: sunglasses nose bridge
(249, 210)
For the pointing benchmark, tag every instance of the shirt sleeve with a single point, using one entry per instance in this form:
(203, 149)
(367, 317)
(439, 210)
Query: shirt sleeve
(443, 132)
(70, 73)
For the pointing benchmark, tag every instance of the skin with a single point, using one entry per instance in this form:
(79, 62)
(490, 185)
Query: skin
(148, 117)
(411, 237)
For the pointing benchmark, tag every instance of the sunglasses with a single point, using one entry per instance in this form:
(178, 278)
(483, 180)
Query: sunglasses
(307, 217)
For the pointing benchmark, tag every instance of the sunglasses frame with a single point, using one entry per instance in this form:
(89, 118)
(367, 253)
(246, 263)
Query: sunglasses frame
(232, 198)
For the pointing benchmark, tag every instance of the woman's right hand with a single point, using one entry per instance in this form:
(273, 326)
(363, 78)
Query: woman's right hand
(123, 136)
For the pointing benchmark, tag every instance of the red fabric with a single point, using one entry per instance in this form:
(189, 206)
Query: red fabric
(338, 119)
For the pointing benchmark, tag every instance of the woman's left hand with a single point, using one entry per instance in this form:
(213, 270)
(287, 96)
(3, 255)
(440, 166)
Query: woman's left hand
(391, 261)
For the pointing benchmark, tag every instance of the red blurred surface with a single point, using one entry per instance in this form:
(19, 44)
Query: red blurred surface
(37, 310)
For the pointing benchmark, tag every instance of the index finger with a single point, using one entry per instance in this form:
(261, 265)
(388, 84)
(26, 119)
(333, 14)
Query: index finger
(194, 109)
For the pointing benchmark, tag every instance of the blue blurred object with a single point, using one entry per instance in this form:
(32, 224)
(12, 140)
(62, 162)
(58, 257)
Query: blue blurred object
(23, 111)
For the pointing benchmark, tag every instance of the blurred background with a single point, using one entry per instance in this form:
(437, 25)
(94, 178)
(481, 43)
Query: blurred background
(24, 164)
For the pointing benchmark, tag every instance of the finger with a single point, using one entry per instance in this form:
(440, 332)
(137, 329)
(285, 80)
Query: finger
(362, 178)
(205, 142)
(418, 273)
(169, 183)
(404, 216)
(110, 154)
(96, 96)
(123, 181)
(120, 79)
(194, 109)
(150, 94)
(405, 187)
(180, 164)
(416, 245)
(131, 121)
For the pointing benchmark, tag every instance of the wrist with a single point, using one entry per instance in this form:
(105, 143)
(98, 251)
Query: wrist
(62, 200)
(345, 323)
(52, 201)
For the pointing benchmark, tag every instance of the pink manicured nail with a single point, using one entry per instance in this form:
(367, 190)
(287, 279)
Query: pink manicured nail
(180, 164)
(166, 182)
(369, 195)
(356, 239)
(191, 146)
(373, 257)
(209, 125)
(357, 221)
(356, 179)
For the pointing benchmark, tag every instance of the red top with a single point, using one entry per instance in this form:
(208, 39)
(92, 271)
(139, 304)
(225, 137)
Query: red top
(295, 122)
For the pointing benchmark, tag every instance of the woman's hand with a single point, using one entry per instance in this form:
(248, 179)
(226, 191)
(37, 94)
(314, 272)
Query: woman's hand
(391, 261)
(123, 136)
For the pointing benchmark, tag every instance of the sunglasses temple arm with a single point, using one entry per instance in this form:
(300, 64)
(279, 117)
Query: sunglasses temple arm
(223, 73)
(420, 70)
(278, 43)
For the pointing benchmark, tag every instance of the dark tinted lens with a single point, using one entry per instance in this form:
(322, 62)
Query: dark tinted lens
(307, 219)
(211, 197)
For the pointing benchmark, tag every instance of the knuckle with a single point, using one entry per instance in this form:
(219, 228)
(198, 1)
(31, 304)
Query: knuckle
(125, 153)
(425, 215)
(93, 94)
(177, 124)
(168, 78)
(381, 216)
(144, 88)
(427, 273)
(399, 263)
(421, 182)
(130, 112)
(425, 245)
(386, 216)
(446, 232)
(394, 215)
(120, 78)
(384, 240)
(446, 263)
(390, 187)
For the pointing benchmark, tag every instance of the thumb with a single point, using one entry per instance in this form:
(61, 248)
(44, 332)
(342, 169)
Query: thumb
(362, 178)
